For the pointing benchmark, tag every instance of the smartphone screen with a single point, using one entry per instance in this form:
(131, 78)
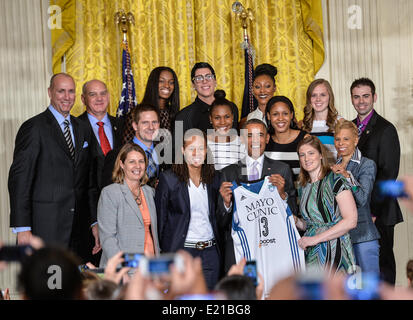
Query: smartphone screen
(391, 189)
(160, 266)
(364, 286)
(250, 270)
(131, 260)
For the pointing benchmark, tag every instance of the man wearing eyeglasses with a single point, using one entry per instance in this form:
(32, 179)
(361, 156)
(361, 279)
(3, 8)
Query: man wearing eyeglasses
(196, 115)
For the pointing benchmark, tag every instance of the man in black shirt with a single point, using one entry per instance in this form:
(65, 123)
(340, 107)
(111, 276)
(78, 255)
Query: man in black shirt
(196, 115)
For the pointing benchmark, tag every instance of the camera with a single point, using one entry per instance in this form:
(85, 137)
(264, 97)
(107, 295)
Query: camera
(15, 253)
(310, 285)
(157, 266)
(131, 260)
(363, 286)
(391, 189)
(250, 270)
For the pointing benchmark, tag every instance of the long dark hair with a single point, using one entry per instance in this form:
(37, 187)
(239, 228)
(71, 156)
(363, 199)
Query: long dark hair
(151, 95)
(207, 168)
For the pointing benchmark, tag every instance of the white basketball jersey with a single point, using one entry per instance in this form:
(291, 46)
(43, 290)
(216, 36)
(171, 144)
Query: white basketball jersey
(263, 229)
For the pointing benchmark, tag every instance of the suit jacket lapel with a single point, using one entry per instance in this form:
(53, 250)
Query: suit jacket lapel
(117, 139)
(185, 196)
(56, 131)
(79, 139)
(368, 130)
(151, 207)
(266, 168)
(85, 118)
(242, 175)
(131, 201)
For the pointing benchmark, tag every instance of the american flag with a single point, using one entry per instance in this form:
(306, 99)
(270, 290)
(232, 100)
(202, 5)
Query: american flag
(249, 103)
(128, 96)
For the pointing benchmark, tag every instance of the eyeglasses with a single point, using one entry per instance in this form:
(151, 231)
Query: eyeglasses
(200, 78)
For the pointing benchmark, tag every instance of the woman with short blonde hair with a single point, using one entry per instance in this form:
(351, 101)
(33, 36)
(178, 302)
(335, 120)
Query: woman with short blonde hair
(360, 174)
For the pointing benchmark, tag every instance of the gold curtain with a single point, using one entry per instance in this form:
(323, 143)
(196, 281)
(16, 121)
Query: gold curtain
(178, 33)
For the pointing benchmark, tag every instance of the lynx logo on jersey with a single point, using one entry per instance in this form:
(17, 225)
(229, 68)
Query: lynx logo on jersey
(263, 229)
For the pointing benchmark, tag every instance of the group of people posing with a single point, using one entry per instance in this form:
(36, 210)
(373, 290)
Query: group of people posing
(100, 185)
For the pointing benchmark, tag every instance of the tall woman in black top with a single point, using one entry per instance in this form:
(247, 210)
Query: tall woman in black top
(284, 133)
(162, 91)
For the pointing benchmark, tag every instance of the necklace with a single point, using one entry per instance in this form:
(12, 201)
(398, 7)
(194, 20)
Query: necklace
(138, 197)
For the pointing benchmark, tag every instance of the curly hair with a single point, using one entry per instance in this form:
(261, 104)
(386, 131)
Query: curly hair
(309, 111)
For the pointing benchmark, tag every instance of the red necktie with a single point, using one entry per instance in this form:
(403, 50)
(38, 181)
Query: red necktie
(104, 142)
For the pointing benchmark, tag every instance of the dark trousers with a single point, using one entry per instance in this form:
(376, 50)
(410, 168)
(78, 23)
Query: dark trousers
(386, 256)
(210, 264)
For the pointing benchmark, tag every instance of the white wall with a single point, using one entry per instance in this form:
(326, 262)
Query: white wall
(25, 64)
(379, 46)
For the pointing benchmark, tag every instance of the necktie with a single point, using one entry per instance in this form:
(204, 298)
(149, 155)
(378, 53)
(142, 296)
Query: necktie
(68, 138)
(104, 142)
(360, 128)
(254, 174)
(151, 170)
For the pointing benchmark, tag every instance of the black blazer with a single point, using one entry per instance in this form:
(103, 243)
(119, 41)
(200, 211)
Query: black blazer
(173, 210)
(234, 172)
(50, 192)
(97, 153)
(380, 143)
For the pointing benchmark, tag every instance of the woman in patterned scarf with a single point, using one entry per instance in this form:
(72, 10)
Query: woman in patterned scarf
(328, 209)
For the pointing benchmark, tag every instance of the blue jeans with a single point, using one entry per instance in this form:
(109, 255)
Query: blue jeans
(367, 256)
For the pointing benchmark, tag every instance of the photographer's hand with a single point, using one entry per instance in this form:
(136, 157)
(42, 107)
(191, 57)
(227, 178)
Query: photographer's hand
(110, 270)
(191, 281)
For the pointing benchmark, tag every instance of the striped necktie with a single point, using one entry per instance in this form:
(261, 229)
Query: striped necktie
(68, 138)
(152, 169)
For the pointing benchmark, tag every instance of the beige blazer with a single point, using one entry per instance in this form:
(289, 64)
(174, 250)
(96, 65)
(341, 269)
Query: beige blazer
(120, 221)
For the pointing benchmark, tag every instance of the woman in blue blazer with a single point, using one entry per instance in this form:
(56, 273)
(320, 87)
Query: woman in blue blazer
(360, 172)
(185, 200)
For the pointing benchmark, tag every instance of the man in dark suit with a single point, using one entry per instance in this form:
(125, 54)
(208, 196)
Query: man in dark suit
(378, 141)
(253, 167)
(107, 130)
(51, 193)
